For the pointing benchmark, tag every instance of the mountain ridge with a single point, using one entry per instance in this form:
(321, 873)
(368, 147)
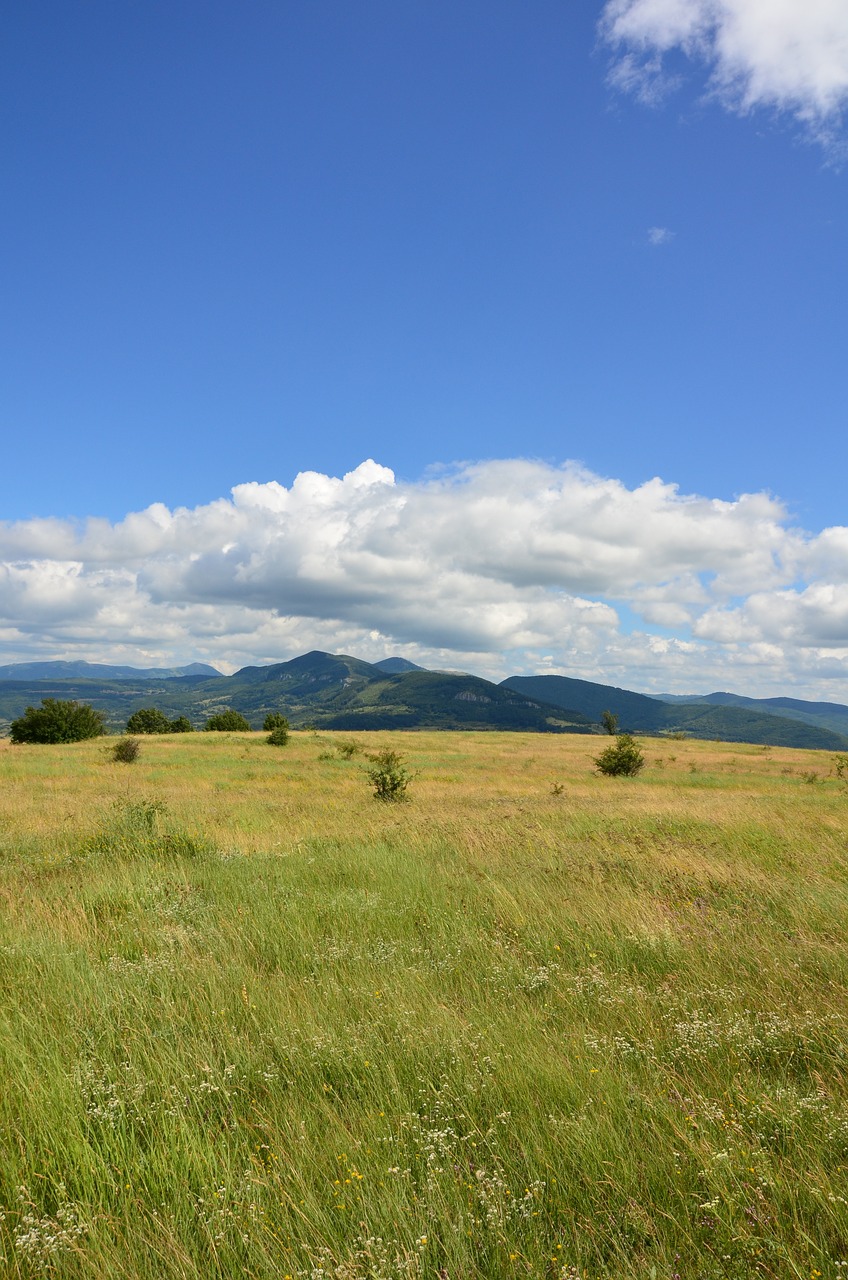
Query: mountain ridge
(342, 692)
(825, 715)
(701, 718)
(58, 669)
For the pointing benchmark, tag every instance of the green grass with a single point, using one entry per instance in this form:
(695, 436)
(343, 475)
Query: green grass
(255, 1023)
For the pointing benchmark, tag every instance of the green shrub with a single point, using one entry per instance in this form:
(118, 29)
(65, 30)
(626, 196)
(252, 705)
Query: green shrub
(181, 725)
(279, 729)
(126, 750)
(148, 720)
(348, 749)
(275, 720)
(57, 721)
(227, 722)
(388, 775)
(610, 723)
(622, 758)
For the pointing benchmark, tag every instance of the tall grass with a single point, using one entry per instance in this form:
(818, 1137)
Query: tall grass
(533, 1022)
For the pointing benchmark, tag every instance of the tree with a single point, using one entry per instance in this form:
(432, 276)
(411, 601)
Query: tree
(610, 723)
(57, 721)
(227, 722)
(275, 720)
(149, 720)
(181, 725)
(622, 758)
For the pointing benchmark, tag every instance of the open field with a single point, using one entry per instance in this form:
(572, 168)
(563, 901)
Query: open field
(532, 1022)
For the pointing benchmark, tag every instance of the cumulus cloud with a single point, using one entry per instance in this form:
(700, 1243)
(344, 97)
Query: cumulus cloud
(496, 567)
(777, 54)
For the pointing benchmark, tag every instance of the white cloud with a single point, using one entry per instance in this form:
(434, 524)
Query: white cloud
(495, 567)
(778, 54)
(660, 235)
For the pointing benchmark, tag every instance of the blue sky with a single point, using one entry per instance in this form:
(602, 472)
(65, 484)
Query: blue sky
(524, 257)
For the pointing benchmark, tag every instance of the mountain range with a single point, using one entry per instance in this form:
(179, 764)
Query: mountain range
(335, 691)
(101, 671)
(714, 716)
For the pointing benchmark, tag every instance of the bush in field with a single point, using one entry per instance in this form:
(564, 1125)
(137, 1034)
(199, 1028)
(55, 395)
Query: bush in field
(57, 721)
(148, 720)
(227, 722)
(126, 750)
(181, 725)
(275, 720)
(279, 729)
(388, 775)
(622, 758)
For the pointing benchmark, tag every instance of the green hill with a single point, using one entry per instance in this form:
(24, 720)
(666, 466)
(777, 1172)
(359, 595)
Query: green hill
(824, 715)
(340, 692)
(337, 691)
(700, 719)
(395, 665)
(318, 689)
(635, 711)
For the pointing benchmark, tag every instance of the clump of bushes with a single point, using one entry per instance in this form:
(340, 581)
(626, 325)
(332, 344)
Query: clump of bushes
(56, 721)
(152, 720)
(622, 758)
(126, 750)
(388, 775)
(277, 728)
(227, 722)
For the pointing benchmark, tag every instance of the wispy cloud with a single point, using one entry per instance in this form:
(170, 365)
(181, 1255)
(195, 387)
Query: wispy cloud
(660, 235)
(498, 567)
(778, 54)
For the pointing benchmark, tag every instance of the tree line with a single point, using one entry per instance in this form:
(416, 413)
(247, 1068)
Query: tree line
(57, 721)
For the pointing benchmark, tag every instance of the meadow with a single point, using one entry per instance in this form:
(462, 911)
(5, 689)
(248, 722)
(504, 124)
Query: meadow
(531, 1022)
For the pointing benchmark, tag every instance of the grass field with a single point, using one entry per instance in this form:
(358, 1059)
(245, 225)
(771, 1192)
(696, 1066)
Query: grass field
(531, 1022)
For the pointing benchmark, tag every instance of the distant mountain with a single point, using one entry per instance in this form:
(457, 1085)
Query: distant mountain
(101, 671)
(739, 724)
(336, 691)
(323, 690)
(309, 674)
(634, 710)
(824, 715)
(339, 692)
(745, 721)
(394, 666)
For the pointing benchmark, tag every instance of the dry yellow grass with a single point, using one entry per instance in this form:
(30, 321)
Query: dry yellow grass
(239, 796)
(533, 1022)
